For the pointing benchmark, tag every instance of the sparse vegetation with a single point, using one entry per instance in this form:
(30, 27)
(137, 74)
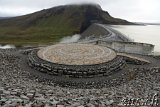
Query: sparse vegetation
(50, 25)
(132, 75)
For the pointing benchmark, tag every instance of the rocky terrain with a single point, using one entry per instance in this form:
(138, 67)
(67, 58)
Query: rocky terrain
(19, 88)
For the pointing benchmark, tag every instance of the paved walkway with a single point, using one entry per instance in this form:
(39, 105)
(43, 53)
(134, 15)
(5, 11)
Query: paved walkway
(134, 57)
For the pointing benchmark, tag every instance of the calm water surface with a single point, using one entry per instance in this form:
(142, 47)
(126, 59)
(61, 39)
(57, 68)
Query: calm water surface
(145, 34)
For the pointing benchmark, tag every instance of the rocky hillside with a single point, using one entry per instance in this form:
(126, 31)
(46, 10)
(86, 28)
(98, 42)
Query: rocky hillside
(4, 18)
(50, 25)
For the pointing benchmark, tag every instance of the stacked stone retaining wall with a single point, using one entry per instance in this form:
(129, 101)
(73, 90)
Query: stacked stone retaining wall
(102, 69)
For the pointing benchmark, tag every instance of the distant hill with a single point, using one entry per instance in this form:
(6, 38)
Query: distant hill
(1, 18)
(50, 25)
(143, 23)
(4, 17)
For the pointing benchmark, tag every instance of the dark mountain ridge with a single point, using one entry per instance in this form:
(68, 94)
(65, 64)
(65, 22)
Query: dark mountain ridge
(4, 18)
(56, 22)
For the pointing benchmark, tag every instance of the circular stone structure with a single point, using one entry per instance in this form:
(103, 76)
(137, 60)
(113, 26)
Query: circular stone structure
(76, 60)
(76, 54)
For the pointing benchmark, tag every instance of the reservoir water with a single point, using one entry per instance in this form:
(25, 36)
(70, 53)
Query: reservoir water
(145, 34)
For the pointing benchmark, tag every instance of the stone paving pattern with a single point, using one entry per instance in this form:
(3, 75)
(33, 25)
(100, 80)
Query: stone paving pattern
(77, 54)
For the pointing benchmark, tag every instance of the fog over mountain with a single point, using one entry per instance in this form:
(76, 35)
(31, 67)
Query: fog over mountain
(131, 10)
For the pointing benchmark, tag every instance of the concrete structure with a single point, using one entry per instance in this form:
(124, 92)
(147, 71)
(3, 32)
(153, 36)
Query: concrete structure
(105, 36)
(127, 47)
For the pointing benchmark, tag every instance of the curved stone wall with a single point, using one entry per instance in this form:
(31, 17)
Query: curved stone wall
(101, 69)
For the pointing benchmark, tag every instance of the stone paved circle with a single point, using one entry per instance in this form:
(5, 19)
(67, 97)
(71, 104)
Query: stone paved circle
(76, 54)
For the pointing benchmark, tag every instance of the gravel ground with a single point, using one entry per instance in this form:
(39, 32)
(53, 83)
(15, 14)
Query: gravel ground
(18, 87)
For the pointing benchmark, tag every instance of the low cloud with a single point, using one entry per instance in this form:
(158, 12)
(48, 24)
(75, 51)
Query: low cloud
(131, 10)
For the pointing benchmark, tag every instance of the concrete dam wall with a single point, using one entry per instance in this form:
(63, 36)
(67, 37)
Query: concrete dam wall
(103, 35)
(126, 47)
(129, 47)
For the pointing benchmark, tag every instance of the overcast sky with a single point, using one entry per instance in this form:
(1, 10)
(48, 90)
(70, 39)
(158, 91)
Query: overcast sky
(131, 10)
